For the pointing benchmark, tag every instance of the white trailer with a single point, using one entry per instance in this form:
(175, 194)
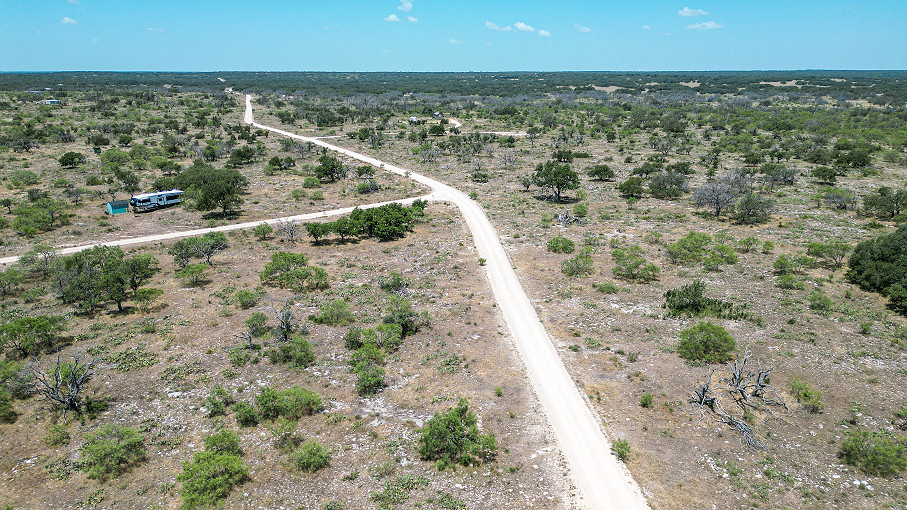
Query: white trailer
(156, 200)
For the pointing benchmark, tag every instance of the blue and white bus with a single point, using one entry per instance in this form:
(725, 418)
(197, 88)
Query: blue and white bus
(158, 199)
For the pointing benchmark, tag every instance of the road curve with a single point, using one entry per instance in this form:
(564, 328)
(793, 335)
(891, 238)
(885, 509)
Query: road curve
(603, 482)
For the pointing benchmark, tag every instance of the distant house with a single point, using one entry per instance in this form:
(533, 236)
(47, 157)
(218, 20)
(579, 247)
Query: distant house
(52, 101)
(117, 206)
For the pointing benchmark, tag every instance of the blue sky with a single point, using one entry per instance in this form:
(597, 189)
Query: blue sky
(450, 35)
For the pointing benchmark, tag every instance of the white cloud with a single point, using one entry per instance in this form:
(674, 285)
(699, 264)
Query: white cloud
(544, 33)
(325, 27)
(686, 12)
(454, 41)
(646, 27)
(68, 21)
(392, 17)
(405, 5)
(150, 29)
(583, 29)
(493, 26)
(412, 19)
(522, 27)
(708, 25)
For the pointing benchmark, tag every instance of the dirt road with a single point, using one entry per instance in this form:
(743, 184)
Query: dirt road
(224, 228)
(603, 482)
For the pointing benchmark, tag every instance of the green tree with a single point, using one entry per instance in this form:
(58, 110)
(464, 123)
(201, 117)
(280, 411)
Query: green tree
(557, 177)
(26, 336)
(886, 202)
(9, 280)
(877, 453)
(72, 159)
(668, 185)
(880, 265)
(752, 209)
(631, 188)
(329, 168)
(601, 172)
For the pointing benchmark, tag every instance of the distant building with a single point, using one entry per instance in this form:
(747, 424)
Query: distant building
(52, 101)
(117, 206)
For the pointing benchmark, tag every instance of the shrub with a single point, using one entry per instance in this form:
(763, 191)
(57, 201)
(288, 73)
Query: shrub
(310, 457)
(789, 282)
(631, 265)
(395, 283)
(262, 231)
(560, 245)
(247, 298)
(810, 399)
(217, 401)
(880, 265)
(753, 209)
(748, 244)
(291, 403)
(110, 450)
(366, 363)
(225, 441)
(706, 342)
(453, 438)
(646, 400)
(56, 435)
(578, 266)
(631, 188)
(209, 478)
(689, 249)
(581, 210)
(621, 448)
(7, 413)
(352, 340)
(335, 313)
(819, 302)
(668, 185)
(606, 288)
(690, 301)
(246, 416)
(876, 453)
(296, 352)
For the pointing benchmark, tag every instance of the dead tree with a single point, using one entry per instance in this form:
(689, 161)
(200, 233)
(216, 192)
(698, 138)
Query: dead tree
(64, 382)
(286, 320)
(744, 390)
(247, 336)
(289, 229)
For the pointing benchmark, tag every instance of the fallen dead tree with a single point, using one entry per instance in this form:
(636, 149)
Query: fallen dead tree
(736, 396)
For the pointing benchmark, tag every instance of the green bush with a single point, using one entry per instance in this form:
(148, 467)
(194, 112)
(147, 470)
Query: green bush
(789, 282)
(335, 313)
(208, 479)
(247, 298)
(560, 245)
(819, 302)
(602, 172)
(217, 401)
(296, 352)
(110, 450)
(291, 403)
(7, 413)
(631, 265)
(579, 265)
(57, 435)
(225, 441)
(621, 448)
(880, 265)
(810, 399)
(689, 249)
(877, 453)
(706, 342)
(367, 363)
(262, 231)
(246, 416)
(690, 301)
(606, 288)
(666, 185)
(646, 400)
(453, 438)
(310, 457)
(352, 340)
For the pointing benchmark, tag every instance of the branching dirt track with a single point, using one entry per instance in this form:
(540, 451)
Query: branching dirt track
(603, 482)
